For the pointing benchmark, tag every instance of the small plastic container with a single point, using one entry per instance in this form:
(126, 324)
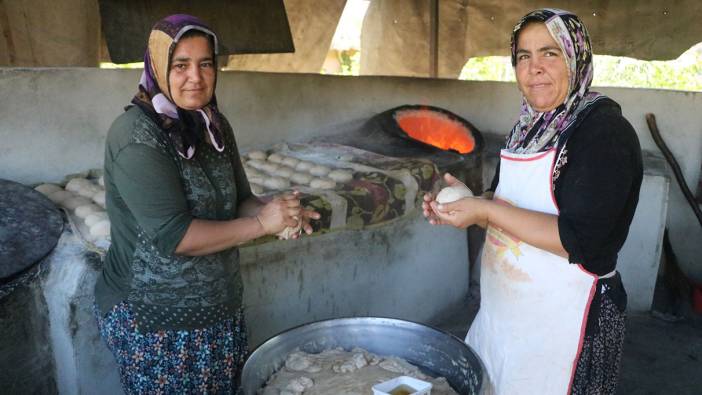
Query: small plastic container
(403, 385)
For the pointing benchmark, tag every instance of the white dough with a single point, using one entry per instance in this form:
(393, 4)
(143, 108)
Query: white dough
(101, 181)
(47, 189)
(284, 171)
(270, 168)
(100, 229)
(256, 189)
(304, 166)
(60, 196)
(256, 163)
(76, 184)
(276, 183)
(275, 158)
(322, 183)
(299, 384)
(85, 210)
(257, 155)
(290, 161)
(301, 178)
(75, 202)
(319, 170)
(88, 190)
(256, 179)
(250, 171)
(99, 198)
(453, 193)
(339, 175)
(301, 362)
(95, 217)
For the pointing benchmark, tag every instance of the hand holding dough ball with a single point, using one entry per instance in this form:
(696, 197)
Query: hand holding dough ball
(289, 232)
(454, 192)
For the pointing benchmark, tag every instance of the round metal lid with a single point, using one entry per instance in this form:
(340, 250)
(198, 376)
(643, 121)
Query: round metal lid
(30, 226)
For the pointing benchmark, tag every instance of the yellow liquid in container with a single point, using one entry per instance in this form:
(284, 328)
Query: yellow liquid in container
(402, 390)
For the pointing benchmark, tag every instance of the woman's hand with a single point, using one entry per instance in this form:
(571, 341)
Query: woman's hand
(461, 213)
(279, 213)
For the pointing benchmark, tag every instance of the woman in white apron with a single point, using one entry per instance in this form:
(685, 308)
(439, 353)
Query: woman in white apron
(551, 318)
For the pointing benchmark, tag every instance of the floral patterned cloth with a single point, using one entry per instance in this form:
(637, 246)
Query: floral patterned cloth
(201, 361)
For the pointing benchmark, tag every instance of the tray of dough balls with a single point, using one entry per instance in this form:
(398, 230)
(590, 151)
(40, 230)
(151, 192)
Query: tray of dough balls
(349, 187)
(82, 197)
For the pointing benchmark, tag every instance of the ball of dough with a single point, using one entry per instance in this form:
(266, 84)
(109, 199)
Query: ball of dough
(339, 175)
(289, 232)
(257, 155)
(304, 166)
(270, 168)
(250, 171)
(99, 198)
(290, 161)
(256, 180)
(47, 189)
(284, 171)
(74, 202)
(101, 181)
(256, 189)
(256, 163)
(61, 196)
(322, 183)
(101, 229)
(453, 193)
(275, 158)
(76, 184)
(301, 178)
(276, 183)
(85, 210)
(88, 190)
(95, 217)
(319, 170)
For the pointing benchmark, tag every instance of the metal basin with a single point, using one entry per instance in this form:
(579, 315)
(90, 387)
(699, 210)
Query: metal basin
(436, 352)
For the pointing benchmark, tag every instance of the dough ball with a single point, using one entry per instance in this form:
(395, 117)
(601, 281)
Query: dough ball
(256, 163)
(256, 179)
(319, 170)
(250, 171)
(101, 229)
(304, 165)
(284, 171)
(74, 202)
(99, 198)
(301, 178)
(95, 217)
(301, 362)
(289, 232)
(257, 155)
(256, 189)
(61, 196)
(290, 161)
(47, 189)
(76, 184)
(299, 384)
(101, 181)
(322, 183)
(88, 190)
(339, 175)
(275, 158)
(453, 193)
(85, 210)
(270, 168)
(276, 183)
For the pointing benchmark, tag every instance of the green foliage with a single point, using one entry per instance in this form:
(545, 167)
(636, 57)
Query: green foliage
(683, 73)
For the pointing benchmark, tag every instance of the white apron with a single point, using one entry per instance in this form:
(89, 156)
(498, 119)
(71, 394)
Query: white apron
(534, 304)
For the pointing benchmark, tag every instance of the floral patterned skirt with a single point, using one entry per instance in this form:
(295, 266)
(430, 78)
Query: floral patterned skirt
(175, 361)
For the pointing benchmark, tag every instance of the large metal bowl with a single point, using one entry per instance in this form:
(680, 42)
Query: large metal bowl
(434, 351)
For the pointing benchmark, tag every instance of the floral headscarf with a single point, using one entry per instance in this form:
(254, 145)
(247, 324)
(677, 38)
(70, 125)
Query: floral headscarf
(539, 131)
(184, 127)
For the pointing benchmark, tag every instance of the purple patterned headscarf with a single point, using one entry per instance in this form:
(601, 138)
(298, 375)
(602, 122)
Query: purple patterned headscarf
(539, 131)
(184, 127)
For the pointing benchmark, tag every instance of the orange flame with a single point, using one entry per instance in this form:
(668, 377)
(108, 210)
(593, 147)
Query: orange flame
(436, 129)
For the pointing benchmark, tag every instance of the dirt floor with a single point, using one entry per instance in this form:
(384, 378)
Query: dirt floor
(662, 351)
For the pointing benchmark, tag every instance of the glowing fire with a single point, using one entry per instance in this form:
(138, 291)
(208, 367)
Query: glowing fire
(436, 129)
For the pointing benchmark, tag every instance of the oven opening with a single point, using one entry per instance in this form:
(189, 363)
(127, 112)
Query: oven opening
(435, 128)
